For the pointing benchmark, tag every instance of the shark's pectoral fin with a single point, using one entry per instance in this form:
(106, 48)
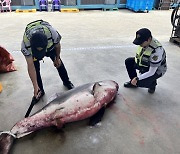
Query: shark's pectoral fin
(97, 117)
(57, 119)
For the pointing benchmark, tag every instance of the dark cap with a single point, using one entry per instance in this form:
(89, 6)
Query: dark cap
(38, 40)
(142, 35)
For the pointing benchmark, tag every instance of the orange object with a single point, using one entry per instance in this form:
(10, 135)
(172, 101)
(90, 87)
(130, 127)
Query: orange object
(6, 61)
(1, 88)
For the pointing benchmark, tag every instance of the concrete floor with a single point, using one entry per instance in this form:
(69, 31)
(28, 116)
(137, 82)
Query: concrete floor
(94, 47)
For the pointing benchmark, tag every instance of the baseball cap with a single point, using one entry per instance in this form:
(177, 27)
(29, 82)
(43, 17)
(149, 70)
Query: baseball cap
(142, 35)
(38, 43)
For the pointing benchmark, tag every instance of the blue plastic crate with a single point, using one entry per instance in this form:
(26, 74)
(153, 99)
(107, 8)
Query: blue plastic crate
(149, 4)
(140, 5)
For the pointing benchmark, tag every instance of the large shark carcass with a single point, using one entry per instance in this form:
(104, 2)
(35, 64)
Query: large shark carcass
(77, 104)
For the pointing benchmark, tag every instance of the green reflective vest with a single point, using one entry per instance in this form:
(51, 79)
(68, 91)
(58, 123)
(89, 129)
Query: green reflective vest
(142, 58)
(37, 26)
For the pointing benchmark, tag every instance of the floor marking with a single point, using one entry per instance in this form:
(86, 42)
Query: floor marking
(96, 48)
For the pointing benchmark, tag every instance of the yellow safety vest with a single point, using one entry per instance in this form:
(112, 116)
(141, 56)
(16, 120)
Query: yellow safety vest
(37, 26)
(142, 58)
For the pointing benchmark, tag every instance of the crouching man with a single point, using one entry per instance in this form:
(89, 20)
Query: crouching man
(150, 60)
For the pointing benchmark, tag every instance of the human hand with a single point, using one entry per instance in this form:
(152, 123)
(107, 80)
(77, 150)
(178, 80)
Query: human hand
(57, 62)
(37, 93)
(134, 81)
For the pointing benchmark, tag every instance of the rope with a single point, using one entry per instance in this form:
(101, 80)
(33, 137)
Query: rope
(9, 133)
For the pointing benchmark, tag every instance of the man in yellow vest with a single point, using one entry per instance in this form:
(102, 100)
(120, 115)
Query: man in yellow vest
(150, 60)
(41, 39)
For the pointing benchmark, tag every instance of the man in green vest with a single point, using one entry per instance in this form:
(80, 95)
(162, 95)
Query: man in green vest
(150, 60)
(41, 39)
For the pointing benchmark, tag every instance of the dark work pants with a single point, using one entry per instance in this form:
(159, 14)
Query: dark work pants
(61, 70)
(131, 67)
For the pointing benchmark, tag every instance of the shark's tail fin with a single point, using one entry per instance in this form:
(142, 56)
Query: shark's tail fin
(6, 141)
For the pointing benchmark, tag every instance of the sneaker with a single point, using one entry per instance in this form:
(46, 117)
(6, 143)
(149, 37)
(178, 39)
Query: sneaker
(151, 90)
(69, 85)
(129, 85)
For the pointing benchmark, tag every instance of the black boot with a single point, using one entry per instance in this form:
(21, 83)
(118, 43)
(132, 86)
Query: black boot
(151, 90)
(129, 85)
(68, 85)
